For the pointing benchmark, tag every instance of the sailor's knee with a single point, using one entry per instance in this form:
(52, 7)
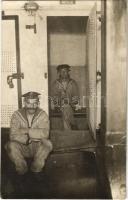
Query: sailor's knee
(11, 146)
(48, 145)
(21, 167)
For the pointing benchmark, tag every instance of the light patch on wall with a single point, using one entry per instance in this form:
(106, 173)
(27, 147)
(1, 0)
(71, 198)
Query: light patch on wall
(67, 48)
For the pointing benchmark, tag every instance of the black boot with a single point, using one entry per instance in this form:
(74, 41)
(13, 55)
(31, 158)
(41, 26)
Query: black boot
(20, 185)
(38, 176)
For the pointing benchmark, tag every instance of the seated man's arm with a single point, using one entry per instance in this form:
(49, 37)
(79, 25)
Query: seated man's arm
(17, 133)
(75, 93)
(42, 132)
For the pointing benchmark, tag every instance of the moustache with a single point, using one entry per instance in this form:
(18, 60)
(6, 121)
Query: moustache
(31, 109)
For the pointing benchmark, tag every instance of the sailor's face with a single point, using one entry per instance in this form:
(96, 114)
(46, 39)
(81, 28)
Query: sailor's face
(64, 73)
(31, 105)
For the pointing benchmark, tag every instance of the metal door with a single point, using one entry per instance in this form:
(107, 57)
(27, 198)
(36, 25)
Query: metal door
(10, 69)
(91, 70)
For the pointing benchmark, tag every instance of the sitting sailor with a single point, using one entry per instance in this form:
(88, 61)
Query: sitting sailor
(65, 96)
(29, 132)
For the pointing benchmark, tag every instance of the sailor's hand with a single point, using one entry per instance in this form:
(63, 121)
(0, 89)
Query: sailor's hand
(27, 139)
(77, 107)
(52, 106)
(24, 138)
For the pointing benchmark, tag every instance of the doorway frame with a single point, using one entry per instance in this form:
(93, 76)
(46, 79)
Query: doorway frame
(60, 10)
(103, 128)
(48, 53)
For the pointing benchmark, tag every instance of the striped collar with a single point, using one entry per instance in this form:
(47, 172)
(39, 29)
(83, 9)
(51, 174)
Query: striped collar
(22, 113)
(60, 80)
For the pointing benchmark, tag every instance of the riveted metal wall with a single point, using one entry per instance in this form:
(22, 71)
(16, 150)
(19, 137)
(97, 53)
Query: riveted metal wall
(9, 97)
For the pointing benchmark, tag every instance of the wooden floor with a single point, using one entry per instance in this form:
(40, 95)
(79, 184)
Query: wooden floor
(67, 174)
(71, 175)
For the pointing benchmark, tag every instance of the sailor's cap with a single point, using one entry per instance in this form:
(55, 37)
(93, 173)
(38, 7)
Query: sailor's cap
(31, 95)
(63, 66)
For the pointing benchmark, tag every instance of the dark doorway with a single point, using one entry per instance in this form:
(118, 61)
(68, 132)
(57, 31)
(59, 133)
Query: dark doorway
(67, 45)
